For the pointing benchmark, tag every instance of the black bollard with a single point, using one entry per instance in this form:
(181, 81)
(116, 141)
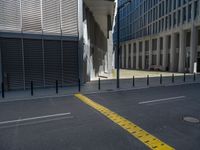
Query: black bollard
(160, 78)
(79, 85)
(133, 81)
(99, 84)
(147, 80)
(184, 77)
(2, 90)
(172, 78)
(31, 88)
(194, 77)
(56, 86)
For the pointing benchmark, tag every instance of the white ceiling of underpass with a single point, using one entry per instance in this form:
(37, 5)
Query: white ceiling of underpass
(100, 10)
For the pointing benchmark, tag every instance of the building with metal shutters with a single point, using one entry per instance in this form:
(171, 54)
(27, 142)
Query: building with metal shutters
(45, 40)
(160, 35)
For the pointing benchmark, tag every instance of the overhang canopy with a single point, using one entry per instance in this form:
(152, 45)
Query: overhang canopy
(101, 9)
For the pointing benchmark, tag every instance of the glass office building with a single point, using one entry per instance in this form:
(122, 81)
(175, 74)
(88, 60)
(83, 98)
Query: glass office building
(160, 35)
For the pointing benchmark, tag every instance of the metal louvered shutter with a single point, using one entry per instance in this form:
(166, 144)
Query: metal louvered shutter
(12, 63)
(51, 16)
(69, 15)
(52, 61)
(33, 59)
(10, 15)
(31, 15)
(70, 62)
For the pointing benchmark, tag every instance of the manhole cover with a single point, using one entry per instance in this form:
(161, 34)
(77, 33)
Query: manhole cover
(191, 119)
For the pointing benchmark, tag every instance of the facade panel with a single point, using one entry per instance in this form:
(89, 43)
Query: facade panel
(12, 63)
(69, 15)
(31, 16)
(52, 62)
(51, 16)
(10, 15)
(70, 63)
(33, 59)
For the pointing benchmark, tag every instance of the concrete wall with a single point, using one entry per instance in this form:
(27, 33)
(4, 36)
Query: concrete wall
(97, 48)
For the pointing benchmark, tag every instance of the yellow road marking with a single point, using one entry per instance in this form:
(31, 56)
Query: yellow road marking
(149, 140)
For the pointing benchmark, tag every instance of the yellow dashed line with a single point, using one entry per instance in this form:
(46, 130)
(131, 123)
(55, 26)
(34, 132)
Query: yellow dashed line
(149, 140)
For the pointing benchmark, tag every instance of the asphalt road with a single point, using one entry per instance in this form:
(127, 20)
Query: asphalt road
(66, 123)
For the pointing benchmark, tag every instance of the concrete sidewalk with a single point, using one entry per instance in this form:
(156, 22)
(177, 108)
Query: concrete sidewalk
(105, 86)
(127, 74)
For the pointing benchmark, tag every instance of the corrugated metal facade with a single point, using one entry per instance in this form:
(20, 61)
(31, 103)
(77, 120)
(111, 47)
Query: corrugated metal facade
(53, 62)
(47, 47)
(10, 18)
(12, 59)
(51, 16)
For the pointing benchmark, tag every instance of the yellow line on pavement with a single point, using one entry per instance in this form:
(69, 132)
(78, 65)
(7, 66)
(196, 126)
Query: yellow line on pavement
(149, 140)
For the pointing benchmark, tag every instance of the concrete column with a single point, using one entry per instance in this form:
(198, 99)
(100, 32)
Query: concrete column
(122, 47)
(187, 13)
(164, 53)
(193, 48)
(173, 52)
(150, 53)
(132, 48)
(137, 55)
(127, 55)
(158, 52)
(192, 13)
(81, 62)
(143, 54)
(182, 51)
(1, 78)
(110, 53)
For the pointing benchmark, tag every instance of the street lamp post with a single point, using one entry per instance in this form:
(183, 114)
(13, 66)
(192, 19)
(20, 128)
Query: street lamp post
(118, 38)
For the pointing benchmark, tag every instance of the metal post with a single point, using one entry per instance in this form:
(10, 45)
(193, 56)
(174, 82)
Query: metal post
(79, 85)
(184, 77)
(118, 46)
(31, 88)
(56, 86)
(194, 77)
(160, 78)
(2, 90)
(147, 80)
(99, 87)
(118, 40)
(133, 81)
(172, 78)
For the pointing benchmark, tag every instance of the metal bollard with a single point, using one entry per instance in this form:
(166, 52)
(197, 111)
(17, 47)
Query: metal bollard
(2, 90)
(56, 86)
(79, 85)
(99, 84)
(31, 88)
(172, 78)
(133, 81)
(160, 78)
(184, 77)
(194, 77)
(147, 80)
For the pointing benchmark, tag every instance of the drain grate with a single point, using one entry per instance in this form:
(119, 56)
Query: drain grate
(191, 119)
